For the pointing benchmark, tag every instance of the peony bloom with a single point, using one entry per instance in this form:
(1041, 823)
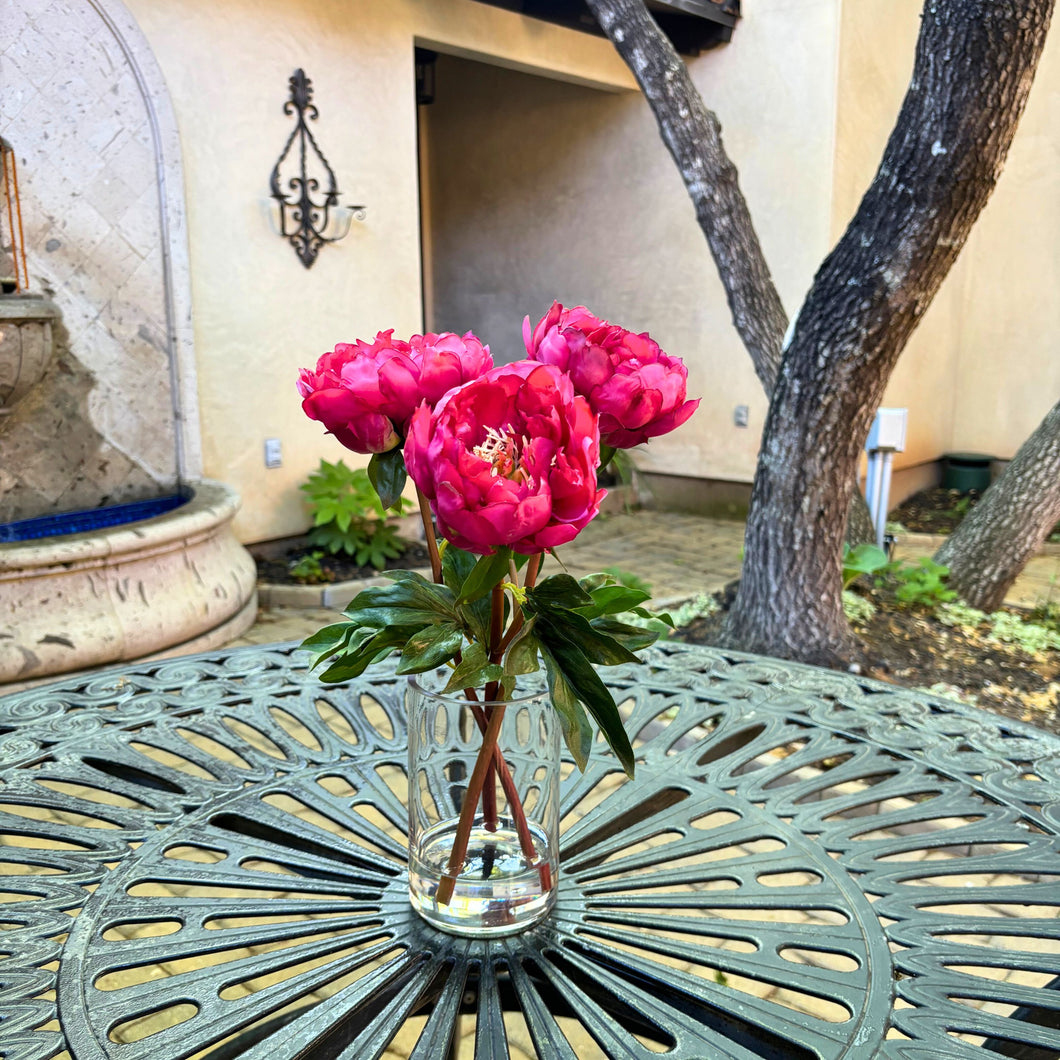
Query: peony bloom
(365, 393)
(508, 459)
(636, 389)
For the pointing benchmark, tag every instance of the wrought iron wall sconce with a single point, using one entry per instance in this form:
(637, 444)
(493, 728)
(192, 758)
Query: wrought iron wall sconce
(308, 214)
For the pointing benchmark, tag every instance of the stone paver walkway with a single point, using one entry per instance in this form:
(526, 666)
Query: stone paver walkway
(679, 555)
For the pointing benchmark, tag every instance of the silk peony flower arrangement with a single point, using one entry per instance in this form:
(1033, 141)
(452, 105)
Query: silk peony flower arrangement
(505, 462)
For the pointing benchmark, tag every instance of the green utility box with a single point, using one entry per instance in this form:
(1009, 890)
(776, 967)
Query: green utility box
(966, 471)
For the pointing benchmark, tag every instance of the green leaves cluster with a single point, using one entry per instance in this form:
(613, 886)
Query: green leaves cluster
(920, 584)
(861, 559)
(566, 626)
(348, 515)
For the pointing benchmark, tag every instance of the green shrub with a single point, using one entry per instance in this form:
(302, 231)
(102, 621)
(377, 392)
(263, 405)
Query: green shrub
(700, 606)
(920, 584)
(1032, 638)
(862, 559)
(349, 517)
(308, 569)
(960, 614)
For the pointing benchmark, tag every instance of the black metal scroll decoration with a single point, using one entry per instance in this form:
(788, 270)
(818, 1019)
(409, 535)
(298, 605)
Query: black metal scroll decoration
(303, 219)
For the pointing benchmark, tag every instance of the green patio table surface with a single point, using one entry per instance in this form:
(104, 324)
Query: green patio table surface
(204, 857)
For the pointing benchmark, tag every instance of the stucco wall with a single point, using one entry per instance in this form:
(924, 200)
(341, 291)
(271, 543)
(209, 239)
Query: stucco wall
(593, 211)
(259, 314)
(982, 368)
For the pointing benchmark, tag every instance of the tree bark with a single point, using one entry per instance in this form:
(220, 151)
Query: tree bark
(693, 135)
(995, 539)
(975, 60)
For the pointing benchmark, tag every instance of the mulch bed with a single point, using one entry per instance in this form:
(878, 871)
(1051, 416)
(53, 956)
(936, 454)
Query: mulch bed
(336, 568)
(939, 511)
(910, 647)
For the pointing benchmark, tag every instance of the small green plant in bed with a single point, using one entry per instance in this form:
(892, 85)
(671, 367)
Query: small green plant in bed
(920, 584)
(308, 569)
(349, 517)
(861, 559)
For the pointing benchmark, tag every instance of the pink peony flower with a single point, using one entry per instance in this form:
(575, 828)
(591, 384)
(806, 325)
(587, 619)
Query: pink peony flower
(508, 459)
(365, 393)
(636, 389)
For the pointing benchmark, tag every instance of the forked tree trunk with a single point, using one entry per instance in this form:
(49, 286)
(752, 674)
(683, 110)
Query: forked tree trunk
(995, 539)
(975, 60)
(692, 133)
(974, 65)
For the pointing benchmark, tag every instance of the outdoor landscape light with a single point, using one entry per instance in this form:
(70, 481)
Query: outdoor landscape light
(308, 214)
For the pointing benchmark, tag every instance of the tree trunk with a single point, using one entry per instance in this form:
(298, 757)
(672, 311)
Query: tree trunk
(975, 60)
(995, 539)
(692, 132)
(693, 135)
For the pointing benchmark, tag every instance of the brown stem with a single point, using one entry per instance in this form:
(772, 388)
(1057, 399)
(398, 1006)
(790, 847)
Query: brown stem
(515, 804)
(432, 541)
(471, 797)
(532, 567)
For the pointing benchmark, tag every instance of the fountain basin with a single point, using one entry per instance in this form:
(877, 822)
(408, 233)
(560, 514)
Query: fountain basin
(177, 582)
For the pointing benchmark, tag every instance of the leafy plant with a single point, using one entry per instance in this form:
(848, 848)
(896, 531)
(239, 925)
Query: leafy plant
(1031, 637)
(349, 517)
(961, 615)
(308, 569)
(699, 606)
(862, 559)
(629, 580)
(920, 584)
(857, 609)
(568, 628)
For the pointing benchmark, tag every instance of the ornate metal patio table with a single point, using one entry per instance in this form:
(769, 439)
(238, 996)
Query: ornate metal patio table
(204, 858)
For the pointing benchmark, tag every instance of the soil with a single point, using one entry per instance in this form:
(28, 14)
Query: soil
(938, 511)
(910, 647)
(337, 568)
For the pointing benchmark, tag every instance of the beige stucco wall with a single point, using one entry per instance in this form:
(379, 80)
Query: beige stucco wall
(539, 190)
(806, 93)
(982, 368)
(259, 315)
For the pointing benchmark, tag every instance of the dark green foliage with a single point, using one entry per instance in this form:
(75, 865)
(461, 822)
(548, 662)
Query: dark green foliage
(862, 559)
(348, 515)
(921, 584)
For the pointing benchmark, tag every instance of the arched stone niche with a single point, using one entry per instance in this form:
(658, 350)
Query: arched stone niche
(87, 112)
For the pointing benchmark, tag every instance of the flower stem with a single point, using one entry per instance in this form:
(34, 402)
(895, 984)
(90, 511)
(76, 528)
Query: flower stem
(515, 805)
(471, 797)
(432, 541)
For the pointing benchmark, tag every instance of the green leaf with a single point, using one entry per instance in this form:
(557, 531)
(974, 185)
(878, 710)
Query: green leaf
(379, 644)
(633, 638)
(577, 732)
(430, 648)
(486, 573)
(410, 600)
(580, 675)
(327, 641)
(387, 474)
(560, 590)
(474, 670)
(607, 454)
(522, 652)
(612, 599)
(456, 566)
(569, 627)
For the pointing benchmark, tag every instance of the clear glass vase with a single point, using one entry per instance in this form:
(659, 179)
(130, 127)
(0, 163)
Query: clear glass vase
(483, 827)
